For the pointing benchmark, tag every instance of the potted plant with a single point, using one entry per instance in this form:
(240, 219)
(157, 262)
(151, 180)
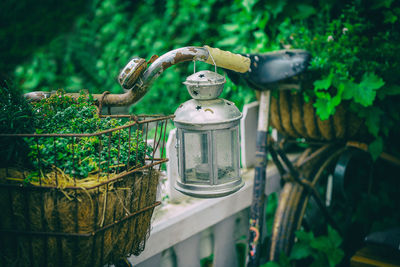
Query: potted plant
(352, 80)
(76, 187)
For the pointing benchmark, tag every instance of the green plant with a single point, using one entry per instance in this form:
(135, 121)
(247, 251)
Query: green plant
(113, 31)
(355, 55)
(80, 156)
(207, 261)
(313, 251)
(16, 117)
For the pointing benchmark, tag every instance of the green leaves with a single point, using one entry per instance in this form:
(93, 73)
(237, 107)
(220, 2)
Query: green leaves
(81, 156)
(365, 92)
(248, 5)
(16, 117)
(271, 264)
(376, 148)
(323, 250)
(327, 248)
(373, 120)
(388, 91)
(305, 11)
(325, 104)
(324, 107)
(300, 251)
(229, 41)
(305, 236)
(324, 84)
(354, 58)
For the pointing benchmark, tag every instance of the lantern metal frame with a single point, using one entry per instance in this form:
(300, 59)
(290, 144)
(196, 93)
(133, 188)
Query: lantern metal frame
(217, 115)
(213, 189)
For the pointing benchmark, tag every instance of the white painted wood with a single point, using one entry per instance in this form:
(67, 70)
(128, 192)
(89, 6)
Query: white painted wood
(241, 231)
(225, 249)
(168, 258)
(187, 252)
(172, 168)
(248, 133)
(263, 114)
(150, 142)
(151, 262)
(206, 245)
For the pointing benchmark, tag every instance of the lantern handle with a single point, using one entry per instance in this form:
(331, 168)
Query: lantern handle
(212, 58)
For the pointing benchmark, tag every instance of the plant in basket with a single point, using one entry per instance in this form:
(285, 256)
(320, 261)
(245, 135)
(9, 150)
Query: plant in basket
(353, 78)
(81, 156)
(82, 192)
(16, 116)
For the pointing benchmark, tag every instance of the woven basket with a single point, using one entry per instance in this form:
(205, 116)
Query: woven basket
(293, 117)
(78, 225)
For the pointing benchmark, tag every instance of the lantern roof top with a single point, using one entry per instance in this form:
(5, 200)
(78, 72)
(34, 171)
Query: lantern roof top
(203, 112)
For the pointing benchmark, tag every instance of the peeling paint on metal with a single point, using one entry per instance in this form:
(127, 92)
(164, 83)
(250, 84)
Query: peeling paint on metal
(166, 65)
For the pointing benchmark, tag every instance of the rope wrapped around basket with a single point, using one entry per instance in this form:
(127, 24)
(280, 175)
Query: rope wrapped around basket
(294, 117)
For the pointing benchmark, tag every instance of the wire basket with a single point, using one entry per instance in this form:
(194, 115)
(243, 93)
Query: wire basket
(57, 219)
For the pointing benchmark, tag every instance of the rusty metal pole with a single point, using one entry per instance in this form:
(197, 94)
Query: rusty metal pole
(257, 205)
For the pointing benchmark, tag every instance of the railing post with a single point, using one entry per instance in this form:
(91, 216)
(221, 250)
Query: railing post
(225, 243)
(248, 133)
(168, 258)
(187, 252)
(172, 167)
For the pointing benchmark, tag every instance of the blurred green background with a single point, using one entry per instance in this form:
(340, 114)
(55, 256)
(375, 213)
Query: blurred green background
(74, 45)
(47, 45)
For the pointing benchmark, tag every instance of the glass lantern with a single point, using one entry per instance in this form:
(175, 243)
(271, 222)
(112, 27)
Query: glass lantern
(207, 139)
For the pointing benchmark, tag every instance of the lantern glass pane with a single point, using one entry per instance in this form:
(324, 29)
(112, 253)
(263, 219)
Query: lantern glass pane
(197, 165)
(227, 154)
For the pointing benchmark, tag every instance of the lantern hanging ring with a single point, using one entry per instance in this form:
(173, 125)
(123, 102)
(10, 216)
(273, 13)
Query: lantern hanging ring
(212, 58)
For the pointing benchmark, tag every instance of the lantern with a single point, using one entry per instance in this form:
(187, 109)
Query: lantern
(207, 139)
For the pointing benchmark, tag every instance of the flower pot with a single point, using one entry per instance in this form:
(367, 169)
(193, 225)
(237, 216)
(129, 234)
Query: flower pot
(295, 118)
(98, 220)
(76, 227)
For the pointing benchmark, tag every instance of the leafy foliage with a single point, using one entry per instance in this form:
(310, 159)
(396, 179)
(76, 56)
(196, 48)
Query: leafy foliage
(319, 251)
(354, 47)
(80, 156)
(16, 116)
(63, 114)
(113, 31)
(26, 26)
(355, 55)
(15, 113)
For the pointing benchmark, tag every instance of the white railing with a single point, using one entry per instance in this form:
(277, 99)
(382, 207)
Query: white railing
(187, 231)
